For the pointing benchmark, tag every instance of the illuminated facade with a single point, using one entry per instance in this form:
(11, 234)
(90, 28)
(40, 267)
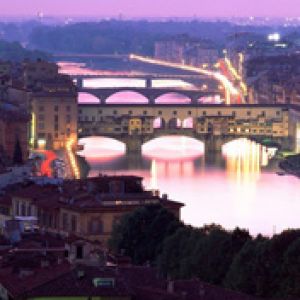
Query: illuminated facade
(54, 109)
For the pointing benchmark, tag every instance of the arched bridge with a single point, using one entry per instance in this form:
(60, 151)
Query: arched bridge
(150, 94)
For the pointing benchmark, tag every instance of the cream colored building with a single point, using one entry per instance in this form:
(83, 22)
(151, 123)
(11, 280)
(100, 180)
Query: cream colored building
(54, 114)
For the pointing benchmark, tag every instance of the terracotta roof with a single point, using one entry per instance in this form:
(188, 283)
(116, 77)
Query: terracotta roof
(72, 284)
(17, 286)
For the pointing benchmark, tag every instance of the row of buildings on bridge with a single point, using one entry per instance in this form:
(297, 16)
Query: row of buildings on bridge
(118, 121)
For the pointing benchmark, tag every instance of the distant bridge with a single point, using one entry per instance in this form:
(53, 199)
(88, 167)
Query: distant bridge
(151, 94)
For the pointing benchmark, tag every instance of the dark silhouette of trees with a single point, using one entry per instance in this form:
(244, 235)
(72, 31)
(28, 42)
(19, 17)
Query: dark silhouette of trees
(261, 266)
(140, 234)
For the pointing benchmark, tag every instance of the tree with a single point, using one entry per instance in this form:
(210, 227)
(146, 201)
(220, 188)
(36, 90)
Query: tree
(141, 233)
(291, 271)
(18, 155)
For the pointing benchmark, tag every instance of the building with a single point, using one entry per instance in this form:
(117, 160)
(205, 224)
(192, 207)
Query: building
(13, 130)
(35, 71)
(185, 50)
(54, 113)
(85, 208)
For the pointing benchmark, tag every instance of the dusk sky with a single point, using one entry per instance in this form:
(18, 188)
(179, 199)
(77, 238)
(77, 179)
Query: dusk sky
(153, 8)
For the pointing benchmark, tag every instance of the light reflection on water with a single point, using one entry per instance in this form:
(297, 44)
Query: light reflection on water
(236, 188)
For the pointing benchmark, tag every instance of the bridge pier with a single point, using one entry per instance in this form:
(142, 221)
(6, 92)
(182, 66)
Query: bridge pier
(133, 144)
(214, 144)
(79, 82)
(148, 82)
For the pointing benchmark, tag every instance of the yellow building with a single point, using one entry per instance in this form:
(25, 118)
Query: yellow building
(54, 113)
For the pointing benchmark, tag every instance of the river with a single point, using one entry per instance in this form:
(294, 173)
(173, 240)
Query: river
(238, 187)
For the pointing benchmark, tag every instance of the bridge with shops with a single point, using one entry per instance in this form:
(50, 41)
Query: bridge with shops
(214, 125)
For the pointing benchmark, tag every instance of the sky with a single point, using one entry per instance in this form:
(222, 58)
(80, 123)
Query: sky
(153, 8)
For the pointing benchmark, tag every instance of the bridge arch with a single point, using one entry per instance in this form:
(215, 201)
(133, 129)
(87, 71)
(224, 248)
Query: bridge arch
(159, 123)
(101, 148)
(173, 147)
(88, 98)
(126, 97)
(188, 123)
(173, 98)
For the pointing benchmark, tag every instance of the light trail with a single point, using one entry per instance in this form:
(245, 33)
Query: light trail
(71, 143)
(235, 74)
(230, 90)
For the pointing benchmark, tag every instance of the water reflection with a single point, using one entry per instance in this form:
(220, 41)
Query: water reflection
(238, 187)
(245, 158)
(170, 148)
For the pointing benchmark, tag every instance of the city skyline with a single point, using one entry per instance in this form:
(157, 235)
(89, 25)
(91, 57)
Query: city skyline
(145, 8)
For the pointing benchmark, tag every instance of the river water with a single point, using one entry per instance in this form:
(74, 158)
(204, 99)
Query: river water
(238, 187)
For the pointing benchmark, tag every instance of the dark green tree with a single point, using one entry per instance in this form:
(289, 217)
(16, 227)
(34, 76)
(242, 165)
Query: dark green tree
(140, 234)
(18, 155)
(291, 271)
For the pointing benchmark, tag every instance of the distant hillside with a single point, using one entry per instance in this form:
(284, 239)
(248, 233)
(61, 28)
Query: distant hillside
(13, 51)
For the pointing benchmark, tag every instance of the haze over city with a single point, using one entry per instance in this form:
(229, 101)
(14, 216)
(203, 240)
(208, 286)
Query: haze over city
(154, 8)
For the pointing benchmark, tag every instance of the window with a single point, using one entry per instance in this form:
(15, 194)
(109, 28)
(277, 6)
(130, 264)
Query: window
(219, 113)
(204, 113)
(115, 112)
(68, 118)
(263, 113)
(99, 111)
(23, 209)
(86, 118)
(93, 119)
(55, 118)
(79, 252)
(248, 113)
(145, 112)
(41, 126)
(130, 112)
(160, 112)
(68, 132)
(74, 223)
(68, 108)
(56, 108)
(175, 112)
(65, 221)
(29, 212)
(277, 113)
(95, 226)
(56, 127)
(189, 113)
(41, 117)
(41, 108)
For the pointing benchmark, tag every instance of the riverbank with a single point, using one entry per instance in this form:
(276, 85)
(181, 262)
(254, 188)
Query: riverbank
(291, 165)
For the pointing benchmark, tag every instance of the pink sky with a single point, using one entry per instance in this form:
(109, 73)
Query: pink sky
(153, 8)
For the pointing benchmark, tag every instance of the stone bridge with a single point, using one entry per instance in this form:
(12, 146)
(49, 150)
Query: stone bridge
(213, 143)
(150, 94)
